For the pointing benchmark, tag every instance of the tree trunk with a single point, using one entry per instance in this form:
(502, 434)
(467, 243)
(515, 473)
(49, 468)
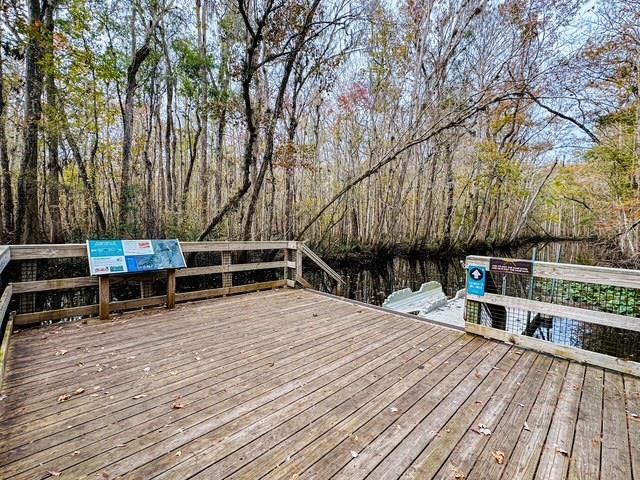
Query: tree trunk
(138, 59)
(7, 194)
(53, 136)
(28, 213)
(168, 145)
(277, 110)
(201, 17)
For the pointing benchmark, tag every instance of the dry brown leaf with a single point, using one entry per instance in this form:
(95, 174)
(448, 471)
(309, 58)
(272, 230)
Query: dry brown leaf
(458, 474)
(64, 397)
(478, 374)
(499, 456)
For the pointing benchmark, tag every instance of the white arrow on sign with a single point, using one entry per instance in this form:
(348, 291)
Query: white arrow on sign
(476, 274)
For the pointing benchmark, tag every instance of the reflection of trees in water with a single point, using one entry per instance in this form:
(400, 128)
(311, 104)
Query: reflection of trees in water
(608, 340)
(373, 282)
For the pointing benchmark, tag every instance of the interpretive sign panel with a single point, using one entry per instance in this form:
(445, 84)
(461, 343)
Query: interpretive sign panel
(107, 257)
(517, 267)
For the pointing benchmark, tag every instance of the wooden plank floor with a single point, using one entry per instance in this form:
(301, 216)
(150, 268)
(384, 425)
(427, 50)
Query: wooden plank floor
(290, 384)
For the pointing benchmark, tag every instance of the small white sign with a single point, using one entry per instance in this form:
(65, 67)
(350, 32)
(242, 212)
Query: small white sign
(137, 247)
(102, 265)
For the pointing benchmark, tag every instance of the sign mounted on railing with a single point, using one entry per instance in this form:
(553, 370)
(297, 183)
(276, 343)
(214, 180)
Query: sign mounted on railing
(107, 257)
(476, 280)
(516, 267)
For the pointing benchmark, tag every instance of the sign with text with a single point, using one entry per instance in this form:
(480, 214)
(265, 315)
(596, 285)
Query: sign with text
(516, 267)
(476, 280)
(133, 256)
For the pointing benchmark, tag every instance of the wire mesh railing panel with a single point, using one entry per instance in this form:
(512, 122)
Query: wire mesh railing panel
(616, 342)
(593, 336)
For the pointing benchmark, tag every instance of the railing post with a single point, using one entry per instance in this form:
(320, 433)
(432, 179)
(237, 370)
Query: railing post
(105, 296)
(171, 288)
(227, 277)
(298, 261)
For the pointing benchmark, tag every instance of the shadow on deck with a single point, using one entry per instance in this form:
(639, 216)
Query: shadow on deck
(291, 384)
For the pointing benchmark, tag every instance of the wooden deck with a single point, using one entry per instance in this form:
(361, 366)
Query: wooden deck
(292, 384)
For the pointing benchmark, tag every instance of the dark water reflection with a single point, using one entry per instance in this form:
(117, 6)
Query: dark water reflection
(373, 281)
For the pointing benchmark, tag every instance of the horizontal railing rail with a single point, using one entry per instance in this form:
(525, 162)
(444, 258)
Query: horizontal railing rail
(291, 266)
(585, 313)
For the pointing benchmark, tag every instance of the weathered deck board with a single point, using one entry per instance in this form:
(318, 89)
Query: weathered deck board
(290, 384)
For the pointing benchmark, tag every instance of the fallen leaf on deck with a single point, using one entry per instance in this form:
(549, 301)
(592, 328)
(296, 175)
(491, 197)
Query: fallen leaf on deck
(483, 430)
(478, 374)
(177, 404)
(354, 454)
(526, 427)
(61, 352)
(393, 409)
(458, 474)
(136, 397)
(499, 456)
(79, 391)
(178, 453)
(53, 473)
(561, 451)
(64, 397)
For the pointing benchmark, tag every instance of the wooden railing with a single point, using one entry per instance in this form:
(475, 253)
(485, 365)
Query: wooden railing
(291, 265)
(597, 308)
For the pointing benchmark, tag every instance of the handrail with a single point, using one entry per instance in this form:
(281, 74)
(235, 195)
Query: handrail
(320, 263)
(617, 277)
(499, 315)
(79, 250)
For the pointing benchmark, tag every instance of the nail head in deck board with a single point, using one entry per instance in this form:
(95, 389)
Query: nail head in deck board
(198, 427)
(251, 364)
(379, 375)
(554, 461)
(632, 395)
(587, 443)
(505, 434)
(616, 461)
(335, 347)
(433, 456)
(524, 459)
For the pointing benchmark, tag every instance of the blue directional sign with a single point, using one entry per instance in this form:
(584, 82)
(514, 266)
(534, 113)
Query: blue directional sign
(108, 257)
(476, 280)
